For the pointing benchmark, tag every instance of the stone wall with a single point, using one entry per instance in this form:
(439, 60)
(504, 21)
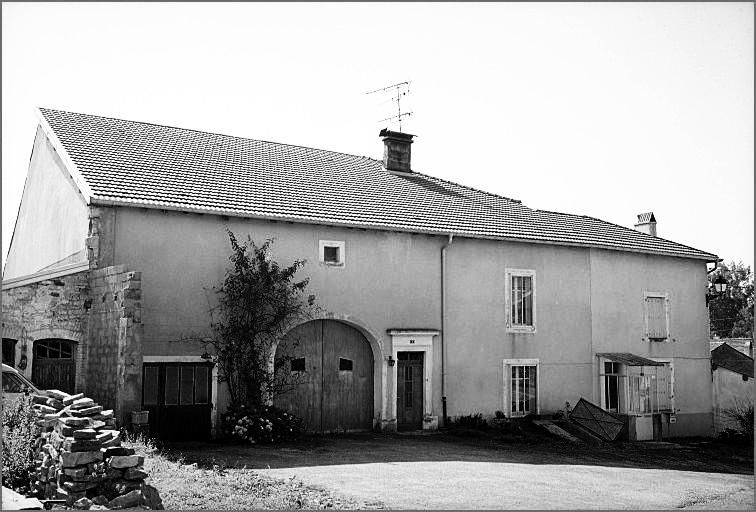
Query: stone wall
(100, 310)
(49, 308)
(114, 361)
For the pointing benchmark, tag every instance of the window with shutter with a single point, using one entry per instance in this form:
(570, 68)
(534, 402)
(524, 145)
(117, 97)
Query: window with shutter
(657, 317)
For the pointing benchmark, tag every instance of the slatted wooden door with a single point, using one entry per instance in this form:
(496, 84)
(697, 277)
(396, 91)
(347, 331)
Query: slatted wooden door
(54, 365)
(177, 396)
(409, 390)
(330, 371)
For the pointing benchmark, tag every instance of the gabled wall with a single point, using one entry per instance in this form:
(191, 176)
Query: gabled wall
(52, 222)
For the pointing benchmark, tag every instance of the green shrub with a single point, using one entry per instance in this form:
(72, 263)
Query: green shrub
(742, 414)
(20, 434)
(260, 425)
(471, 421)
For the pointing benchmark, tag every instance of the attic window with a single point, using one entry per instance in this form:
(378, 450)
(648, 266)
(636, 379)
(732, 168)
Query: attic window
(332, 253)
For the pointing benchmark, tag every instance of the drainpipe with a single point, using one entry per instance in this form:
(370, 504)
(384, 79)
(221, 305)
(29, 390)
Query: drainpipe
(443, 327)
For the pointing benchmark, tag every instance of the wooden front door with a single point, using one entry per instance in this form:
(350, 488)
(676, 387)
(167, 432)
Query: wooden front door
(409, 390)
(328, 370)
(54, 365)
(177, 396)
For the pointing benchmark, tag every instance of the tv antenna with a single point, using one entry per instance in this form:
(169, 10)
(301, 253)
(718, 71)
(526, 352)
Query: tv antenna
(402, 88)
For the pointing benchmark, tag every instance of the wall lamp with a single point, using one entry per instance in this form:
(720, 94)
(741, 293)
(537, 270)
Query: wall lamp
(391, 361)
(720, 288)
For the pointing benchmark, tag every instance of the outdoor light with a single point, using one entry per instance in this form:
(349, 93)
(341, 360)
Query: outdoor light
(391, 361)
(720, 284)
(720, 288)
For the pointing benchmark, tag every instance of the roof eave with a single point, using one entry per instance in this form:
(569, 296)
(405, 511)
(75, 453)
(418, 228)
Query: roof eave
(166, 205)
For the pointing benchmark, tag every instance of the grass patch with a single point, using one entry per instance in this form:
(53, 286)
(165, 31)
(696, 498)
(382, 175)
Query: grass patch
(189, 486)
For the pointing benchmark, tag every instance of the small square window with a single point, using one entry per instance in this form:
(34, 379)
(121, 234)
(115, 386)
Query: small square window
(332, 253)
(345, 365)
(298, 364)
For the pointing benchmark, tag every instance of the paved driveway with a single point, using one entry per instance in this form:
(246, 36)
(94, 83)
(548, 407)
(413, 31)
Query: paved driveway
(440, 472)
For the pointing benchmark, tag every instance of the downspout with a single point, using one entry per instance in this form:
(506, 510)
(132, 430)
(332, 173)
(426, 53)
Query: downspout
(443, 327)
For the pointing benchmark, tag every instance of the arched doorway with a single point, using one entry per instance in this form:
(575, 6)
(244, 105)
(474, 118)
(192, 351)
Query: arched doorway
(328, 369)
(54, 365)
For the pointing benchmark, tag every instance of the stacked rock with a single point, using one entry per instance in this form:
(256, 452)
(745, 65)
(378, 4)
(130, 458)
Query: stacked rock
(80, 457)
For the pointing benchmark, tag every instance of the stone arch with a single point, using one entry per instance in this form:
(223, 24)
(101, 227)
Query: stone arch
(380, 365)
(77, 337)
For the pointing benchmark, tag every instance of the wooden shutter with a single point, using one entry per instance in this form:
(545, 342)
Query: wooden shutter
(656, 318)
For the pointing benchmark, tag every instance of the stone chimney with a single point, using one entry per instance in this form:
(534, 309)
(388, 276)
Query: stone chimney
(396, 150)
(646, 223)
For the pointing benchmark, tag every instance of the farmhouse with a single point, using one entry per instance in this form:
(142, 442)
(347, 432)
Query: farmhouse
(439, 300)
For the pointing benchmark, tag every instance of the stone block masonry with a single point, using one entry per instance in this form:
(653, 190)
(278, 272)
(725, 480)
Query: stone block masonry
(80, 458)
(48, 308)
(100, 311)
(115, 360)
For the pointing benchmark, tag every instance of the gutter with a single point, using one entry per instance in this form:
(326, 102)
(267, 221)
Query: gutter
(443, 327)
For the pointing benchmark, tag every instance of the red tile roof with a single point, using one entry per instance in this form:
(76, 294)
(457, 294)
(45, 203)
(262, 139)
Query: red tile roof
(148, 165)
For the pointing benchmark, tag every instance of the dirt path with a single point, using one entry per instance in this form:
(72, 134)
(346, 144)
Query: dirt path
(446, 472)
(494, 485)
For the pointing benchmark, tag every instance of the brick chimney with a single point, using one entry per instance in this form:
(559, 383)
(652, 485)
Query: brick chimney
(646, 223)
(396, 150)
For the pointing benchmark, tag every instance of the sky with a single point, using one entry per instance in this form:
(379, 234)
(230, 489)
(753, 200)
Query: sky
(600, 109)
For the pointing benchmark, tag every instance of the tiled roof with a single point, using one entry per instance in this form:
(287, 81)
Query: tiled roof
(727, 357)
(149, 165)
(629, 359)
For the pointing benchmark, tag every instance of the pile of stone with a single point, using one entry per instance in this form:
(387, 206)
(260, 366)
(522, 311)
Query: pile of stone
(80, 457)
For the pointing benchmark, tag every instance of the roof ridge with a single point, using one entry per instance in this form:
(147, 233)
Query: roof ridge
(207, 132)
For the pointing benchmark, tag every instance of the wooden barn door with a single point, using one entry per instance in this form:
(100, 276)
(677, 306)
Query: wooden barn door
(330, 373)
(54, 365)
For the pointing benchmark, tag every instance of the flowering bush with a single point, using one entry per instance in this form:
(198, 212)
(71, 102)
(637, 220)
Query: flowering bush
(20, 433)
(266, 424)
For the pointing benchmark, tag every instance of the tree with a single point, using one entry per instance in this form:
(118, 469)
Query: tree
(731, 314)
(257, 304)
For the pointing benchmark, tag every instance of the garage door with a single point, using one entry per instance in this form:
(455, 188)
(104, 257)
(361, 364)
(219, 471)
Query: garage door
(177, 396)
(328, 367)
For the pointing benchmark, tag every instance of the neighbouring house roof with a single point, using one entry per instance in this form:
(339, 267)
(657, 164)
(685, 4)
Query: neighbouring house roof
(724, 356)
(152, 166)
(629, 359)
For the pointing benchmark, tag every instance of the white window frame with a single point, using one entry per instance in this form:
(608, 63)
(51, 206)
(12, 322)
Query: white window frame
(507, 378)
(509, 274)
(340, 245)
(656, 295)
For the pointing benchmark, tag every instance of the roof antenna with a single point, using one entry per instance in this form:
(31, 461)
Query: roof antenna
(402, 88)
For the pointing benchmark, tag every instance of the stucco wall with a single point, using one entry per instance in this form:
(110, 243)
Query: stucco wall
(729, 392)
(588, 301)
(477, 340)
(389, 280)
(618, 283)
(52, 221)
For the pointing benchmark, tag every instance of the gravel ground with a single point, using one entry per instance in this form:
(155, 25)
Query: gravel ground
(476, 472)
